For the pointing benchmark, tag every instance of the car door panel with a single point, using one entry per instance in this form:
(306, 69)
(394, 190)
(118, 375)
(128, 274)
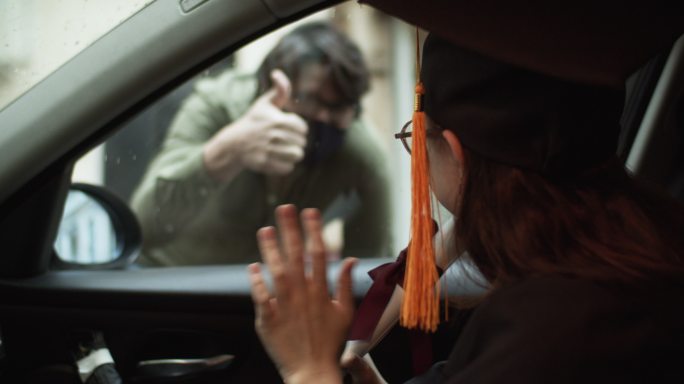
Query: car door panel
(145, 314)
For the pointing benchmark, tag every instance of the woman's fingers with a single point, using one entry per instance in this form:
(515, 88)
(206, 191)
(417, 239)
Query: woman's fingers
(293, 245)
(286, 263)
(316, 248)
(344, 291)
(270, 254)
(260, 294)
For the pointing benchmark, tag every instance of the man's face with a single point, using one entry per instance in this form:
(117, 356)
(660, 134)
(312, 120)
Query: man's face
(316, 98)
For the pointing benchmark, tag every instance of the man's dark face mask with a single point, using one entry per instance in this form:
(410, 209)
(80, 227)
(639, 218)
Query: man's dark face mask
(322, 141)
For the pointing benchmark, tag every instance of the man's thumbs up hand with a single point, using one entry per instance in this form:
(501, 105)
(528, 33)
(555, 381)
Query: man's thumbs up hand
(265, 139)
(280, 91)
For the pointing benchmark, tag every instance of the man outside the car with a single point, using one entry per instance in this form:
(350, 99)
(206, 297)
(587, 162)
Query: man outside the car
(242, 144)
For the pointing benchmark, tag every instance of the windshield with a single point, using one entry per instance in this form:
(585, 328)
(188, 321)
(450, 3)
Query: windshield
(37, 36)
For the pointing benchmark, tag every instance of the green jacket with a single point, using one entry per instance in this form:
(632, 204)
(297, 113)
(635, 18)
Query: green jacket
(188, 218)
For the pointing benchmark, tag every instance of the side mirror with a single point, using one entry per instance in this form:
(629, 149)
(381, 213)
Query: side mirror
(97, 231)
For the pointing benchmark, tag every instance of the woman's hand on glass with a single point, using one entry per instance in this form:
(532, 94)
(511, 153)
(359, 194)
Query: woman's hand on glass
(300, 324)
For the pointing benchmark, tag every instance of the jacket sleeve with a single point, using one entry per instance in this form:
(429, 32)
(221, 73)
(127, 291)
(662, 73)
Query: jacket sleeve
(176, 184)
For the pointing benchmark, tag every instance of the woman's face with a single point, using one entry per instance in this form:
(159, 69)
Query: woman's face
(446, 169)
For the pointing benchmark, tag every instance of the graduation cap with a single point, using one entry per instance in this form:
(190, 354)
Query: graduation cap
(594, 42)
(532, 84)
(519, 117)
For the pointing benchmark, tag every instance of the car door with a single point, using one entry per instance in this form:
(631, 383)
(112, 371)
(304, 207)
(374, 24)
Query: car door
(180, 324)
(198, 320)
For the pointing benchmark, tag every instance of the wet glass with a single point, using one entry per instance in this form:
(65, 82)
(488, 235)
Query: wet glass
(38, 36)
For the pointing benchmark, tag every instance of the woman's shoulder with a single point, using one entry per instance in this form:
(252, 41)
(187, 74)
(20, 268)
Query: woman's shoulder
(543, 329)
(563, 295)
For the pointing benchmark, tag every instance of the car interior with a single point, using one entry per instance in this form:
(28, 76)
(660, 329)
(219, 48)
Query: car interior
(190, 324)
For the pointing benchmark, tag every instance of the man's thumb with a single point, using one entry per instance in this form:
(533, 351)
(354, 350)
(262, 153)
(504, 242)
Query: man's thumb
(281, 90)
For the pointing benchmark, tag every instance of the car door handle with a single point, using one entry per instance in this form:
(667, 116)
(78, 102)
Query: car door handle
(167, 368)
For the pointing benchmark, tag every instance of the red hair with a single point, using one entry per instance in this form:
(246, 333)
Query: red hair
(601, 225)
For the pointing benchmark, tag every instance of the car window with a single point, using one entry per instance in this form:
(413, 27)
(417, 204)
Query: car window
(356, 173)
(36, 36)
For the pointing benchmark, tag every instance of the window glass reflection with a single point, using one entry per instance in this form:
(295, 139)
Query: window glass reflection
(86, 234)
(38, 36)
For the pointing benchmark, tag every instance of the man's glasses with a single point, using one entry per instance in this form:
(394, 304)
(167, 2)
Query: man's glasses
(406, 134)
(312, 104)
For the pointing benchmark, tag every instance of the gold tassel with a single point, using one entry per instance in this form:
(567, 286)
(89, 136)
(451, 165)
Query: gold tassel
(420, 307)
